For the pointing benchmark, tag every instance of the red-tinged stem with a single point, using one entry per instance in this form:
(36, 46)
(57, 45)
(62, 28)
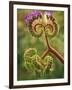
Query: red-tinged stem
(53, 51)
(44, 54)
(47, 41)
(57, 54)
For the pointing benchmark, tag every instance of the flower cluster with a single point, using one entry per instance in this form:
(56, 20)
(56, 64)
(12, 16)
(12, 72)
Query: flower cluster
(29, 17)
(34, 63)
(49, 13)
(43, 19)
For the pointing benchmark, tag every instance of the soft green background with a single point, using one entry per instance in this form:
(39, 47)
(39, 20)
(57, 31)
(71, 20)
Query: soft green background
(26, 40)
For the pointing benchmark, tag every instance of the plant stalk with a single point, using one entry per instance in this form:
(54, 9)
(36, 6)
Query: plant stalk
(53, 51)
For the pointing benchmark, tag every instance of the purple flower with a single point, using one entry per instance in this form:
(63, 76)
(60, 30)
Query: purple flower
(35, 13)
(30, 16)
(49, 13)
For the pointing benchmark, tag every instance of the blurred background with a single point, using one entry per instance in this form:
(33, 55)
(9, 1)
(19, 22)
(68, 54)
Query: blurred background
(25, 40)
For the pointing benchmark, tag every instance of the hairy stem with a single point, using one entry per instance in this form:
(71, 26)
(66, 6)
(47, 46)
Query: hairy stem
(57, 54)
(44, 54)
(53, 51)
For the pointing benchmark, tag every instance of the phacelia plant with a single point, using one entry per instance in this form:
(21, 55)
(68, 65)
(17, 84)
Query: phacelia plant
(41, 23)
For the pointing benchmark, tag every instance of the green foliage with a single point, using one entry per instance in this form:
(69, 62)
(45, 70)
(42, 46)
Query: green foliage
(34, 64)
(30, 66)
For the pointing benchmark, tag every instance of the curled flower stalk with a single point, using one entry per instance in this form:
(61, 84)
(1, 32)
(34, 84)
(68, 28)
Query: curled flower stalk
(33, 63)
(40, 23)
(34, 22)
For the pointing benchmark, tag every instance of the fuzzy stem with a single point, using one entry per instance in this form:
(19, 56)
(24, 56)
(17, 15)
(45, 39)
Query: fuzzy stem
(57, 54)
(53, 51)
(44, 54)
